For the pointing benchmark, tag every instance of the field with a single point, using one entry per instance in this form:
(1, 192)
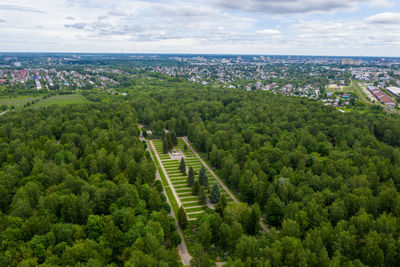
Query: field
(62, 100)
(17, 102)
(170, 172)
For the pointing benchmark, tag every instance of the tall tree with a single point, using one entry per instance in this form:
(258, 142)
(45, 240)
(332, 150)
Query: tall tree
(253, 224)
(220, 207)
(190, 179)
(204, 235)
(165, 145)
(182, 218)
(274, 211)
(214, 196)
(174, 138)
(169, 141)
(196, 188)
(203, 177)
(202, 195)
(200, 259)
(182, 166)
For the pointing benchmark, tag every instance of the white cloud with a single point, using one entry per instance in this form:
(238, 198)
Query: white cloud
(385, 18)
(382, 4)
(198, 26)
(288, 6)
(268, 31)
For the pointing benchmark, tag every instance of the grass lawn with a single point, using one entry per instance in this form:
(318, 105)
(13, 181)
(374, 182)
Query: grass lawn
(171, 197)
(189, 210)
(17, 102)
(194, 204)
(189, 199)
(62, 100)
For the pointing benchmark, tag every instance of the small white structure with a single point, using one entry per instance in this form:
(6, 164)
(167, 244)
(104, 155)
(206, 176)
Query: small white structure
(176, 154)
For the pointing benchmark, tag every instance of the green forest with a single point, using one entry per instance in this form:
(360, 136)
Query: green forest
(326, 183)
(78, 187)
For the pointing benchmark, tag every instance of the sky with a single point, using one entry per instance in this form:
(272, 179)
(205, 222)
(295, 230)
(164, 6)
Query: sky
(261, 27)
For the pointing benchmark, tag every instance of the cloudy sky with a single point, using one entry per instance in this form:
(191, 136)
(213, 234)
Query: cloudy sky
(302, 27)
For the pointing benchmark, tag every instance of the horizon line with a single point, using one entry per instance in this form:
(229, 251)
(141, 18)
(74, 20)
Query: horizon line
(196, 54)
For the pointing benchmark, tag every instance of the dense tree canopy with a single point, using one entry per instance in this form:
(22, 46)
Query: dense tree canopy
(328, 181)
(77, 187)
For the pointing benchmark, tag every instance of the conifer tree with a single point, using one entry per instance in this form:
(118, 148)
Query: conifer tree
(174, 138)
(165, 146)
(190, 177)
(182, 166)
(195, 188)
(220, 207)
(202, 195)
(214, 196)
(182, 218)
(203, 177)
(169, 141)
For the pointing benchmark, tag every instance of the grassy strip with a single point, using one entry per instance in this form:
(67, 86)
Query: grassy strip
(172, 199)
(188, 210)
(177, 187)
(170, 195)
(188, 205)
(188, 194)
(189, 199)
(194, 216)
(188, 190)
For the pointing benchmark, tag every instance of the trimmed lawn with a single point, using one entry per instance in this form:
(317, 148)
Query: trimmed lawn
(185, 195)
(189, 210)
(194, 204)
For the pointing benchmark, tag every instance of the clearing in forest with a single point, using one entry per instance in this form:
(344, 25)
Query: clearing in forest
(178, 181)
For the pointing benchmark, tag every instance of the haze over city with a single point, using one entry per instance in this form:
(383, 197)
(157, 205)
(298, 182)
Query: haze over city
(301, 27)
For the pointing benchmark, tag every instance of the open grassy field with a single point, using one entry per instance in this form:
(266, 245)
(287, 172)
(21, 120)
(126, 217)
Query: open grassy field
(18, 101)
(62, 100)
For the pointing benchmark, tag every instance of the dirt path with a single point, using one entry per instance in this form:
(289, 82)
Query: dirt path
(263, 226)
(182, 249)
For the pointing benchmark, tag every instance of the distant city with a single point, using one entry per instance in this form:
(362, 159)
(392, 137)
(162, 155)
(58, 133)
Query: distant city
(328, 79)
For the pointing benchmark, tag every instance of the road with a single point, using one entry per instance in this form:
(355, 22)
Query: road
(262, 225)
(182, 249)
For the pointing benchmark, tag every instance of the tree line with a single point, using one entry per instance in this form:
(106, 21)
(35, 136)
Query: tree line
(326, 183)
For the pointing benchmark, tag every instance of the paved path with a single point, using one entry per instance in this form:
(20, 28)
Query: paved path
(263, 226)
(182, 249)
(4, 112)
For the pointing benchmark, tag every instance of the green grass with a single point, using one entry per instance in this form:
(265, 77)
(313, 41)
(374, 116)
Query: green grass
(188, 210)
(194, 216)
(194, 204)
(62, 100)
(18, 101)
(189, 199)
(189, 194)
(170, 195)
(184, 190)
(172, 199)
